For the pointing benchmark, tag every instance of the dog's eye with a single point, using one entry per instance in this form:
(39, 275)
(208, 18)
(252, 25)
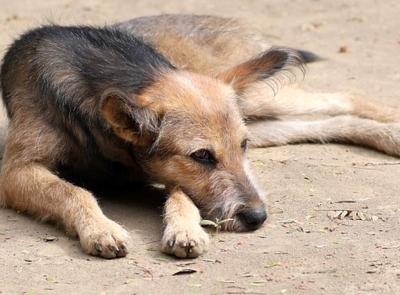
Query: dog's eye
(243, 145)
(203, 156)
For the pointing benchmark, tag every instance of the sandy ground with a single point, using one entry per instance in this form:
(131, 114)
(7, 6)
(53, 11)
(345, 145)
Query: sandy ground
(300, 250)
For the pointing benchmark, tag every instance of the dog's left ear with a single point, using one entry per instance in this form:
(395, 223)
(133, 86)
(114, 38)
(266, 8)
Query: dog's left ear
(132, 118)
(261, 68)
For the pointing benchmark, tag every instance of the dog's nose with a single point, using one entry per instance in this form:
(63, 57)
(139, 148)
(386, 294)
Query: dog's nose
(253, 218)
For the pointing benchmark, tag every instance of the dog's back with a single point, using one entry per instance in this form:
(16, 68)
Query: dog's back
(200, 43)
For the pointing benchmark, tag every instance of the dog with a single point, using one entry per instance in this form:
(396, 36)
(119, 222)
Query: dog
(171, 99)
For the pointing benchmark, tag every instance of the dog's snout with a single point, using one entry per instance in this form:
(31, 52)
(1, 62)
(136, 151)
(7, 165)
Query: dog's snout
(253, 218)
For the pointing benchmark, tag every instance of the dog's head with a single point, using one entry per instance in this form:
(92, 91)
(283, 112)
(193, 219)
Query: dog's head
(193, 136)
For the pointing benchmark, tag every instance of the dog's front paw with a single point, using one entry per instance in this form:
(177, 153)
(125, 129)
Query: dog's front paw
(184, 242)
(106, 239)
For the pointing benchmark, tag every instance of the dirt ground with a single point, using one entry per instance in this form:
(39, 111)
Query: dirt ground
(300, 250)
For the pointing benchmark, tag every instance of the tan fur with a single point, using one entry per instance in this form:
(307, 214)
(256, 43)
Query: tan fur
(384, 137)
(203, 44)
(222, 79)
(33, 147)
(259, 100)
(248, 73)
(28, 185)
(214, 121)
(183, 236)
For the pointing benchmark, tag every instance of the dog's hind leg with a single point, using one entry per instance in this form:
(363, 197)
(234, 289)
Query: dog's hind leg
(259, 102)
(29, 185)
(384, 137)
(256, 81)
(183, 236)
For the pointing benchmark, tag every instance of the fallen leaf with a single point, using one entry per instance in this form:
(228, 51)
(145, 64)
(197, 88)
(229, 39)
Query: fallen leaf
(362, 216)
(186, 271)
(321, 271)
(352, 215)
(185, 264)
(50, 239)
(289, 221)
(273, 264)
(226, 281)
(281, 253)
(258, 283)
(345, 201)
(248, 275)
(343, 214)
(212, 260)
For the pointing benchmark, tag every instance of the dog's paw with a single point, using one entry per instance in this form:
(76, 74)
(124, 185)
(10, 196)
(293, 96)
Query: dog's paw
(106, 239)
(184, 242)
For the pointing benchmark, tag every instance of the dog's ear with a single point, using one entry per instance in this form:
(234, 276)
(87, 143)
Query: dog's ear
(261, 68)
(131, 118)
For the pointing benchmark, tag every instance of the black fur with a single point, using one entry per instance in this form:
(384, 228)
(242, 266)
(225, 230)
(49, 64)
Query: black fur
(92, 60)
(61, 73)
(308, 56)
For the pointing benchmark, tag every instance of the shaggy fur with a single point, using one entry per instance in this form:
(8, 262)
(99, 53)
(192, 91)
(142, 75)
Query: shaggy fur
(171, 99)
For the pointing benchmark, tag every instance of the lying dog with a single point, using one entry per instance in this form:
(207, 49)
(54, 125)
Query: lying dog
(172, 99)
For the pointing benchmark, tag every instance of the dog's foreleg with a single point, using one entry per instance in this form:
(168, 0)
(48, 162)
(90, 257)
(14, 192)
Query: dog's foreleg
(32, 188)
(383, 137)
(183, 236)
(259, 102)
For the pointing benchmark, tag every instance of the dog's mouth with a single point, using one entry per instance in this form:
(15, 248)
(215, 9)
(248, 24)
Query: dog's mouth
(234, 224)
(239, 222)
(234, 216)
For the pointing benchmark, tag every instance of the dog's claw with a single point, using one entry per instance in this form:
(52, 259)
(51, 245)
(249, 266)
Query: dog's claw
(114, 249)
(98, 247)
(171, 243)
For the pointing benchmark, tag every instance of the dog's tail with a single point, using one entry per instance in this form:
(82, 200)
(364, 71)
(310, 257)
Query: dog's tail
(308, 56)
